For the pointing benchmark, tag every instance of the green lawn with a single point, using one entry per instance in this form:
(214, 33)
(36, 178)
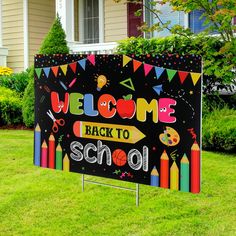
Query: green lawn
(36, 201)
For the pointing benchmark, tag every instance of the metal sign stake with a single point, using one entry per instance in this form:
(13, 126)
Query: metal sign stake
(136, 190)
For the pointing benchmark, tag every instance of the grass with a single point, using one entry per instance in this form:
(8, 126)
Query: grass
(36, 201)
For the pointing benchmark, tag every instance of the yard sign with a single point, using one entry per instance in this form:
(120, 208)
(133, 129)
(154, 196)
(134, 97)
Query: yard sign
(132, 118)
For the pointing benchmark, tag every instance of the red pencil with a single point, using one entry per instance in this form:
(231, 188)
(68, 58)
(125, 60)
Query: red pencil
(195, 168)
(164, 172)
(51, 152)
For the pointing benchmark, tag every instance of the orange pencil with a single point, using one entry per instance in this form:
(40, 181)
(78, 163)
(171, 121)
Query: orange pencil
(164, 172)
(195, 168)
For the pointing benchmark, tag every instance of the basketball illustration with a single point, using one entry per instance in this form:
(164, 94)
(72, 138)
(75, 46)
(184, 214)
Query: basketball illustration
(119, 157)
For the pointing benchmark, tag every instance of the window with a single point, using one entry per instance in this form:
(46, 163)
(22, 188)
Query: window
(196, 24)
(90, 21)
(176, 18)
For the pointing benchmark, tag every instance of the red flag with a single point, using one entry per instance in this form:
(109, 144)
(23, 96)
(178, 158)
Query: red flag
(73, 66)
(182, 76)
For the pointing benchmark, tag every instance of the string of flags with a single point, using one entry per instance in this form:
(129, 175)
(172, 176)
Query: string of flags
(160, 70)
(126, 59)
(64, 68)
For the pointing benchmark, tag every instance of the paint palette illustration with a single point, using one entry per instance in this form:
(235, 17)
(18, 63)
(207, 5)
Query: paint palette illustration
(170, 137)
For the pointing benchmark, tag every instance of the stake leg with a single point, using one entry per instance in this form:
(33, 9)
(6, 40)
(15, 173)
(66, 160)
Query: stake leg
(137, 195)
(82, 182)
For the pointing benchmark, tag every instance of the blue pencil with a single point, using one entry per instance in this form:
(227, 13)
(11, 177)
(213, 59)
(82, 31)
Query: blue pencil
(154, 177)
(37, 145)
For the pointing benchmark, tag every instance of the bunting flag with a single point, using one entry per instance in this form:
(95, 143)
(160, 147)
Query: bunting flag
(46, 70)
(136, 64)
(38, 71)
(82, 63)
(73, 66)
(195, 77)
(171, 73)
(159, 71)
(182, 76)
(55, 70)
(126, 60)
(64, 69)
(147, 69)
(158, 89)
(91, 58)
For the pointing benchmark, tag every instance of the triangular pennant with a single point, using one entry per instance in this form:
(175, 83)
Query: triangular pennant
(195, 77)
(73, 66)
(147, 69)
(182, 75)
(91, 58)
(159, 71)
(126, 60)
(82, 63)
(171, 73)
(46, 71)
(158, 89)
(55, 70)
(136, 64)
(128, 84)
(64, 69)
(38, 71)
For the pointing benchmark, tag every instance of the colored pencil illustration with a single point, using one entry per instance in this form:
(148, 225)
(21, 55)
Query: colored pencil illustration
(51, 148)
(184, 174)
(59, 157)
(195, 168)
(174, 176)
(164, 172)
(44, 155)
(37, 145)
(154, 177)
(66, 163)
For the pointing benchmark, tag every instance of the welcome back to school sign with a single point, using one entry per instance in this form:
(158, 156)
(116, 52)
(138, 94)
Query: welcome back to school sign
(132, 118)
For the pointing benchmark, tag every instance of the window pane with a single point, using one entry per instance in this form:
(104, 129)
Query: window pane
(91, 21)
(196, 24)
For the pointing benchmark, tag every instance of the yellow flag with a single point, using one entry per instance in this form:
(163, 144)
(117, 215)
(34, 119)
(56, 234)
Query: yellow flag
(64, 69)
(195, 77)
(126, 60)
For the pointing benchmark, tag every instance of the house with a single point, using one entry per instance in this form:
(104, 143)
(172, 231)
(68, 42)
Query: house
(91, 26)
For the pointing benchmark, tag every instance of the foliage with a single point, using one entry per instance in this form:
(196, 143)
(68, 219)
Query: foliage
(5, 71)
(55, 40)
(182, 45)
(54, 43)
(28, 101)
(10, 107)
(219, 130)
(218, 16)
(17, 81)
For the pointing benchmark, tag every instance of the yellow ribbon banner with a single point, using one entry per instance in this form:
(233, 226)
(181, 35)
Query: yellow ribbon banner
(109, 132)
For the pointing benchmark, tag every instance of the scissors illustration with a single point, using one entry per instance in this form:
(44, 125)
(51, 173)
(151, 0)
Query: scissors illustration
(56, 122)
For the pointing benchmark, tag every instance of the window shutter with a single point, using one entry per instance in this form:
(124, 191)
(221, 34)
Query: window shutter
(134, 21)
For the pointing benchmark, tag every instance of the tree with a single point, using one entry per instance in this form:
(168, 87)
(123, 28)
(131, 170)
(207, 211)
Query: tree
(218, 16)
(54, 43)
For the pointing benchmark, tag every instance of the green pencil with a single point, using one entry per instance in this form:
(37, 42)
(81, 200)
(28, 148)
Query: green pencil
(59, 157)
(184, 174)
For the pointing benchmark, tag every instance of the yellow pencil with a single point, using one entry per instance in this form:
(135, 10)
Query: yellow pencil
(174, 177)
(66, 163)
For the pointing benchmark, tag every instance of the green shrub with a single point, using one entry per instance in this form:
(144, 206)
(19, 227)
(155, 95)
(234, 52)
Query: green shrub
(10, 107)
(54, 43)
(17, 82)
(217, 71)
(219, 130)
